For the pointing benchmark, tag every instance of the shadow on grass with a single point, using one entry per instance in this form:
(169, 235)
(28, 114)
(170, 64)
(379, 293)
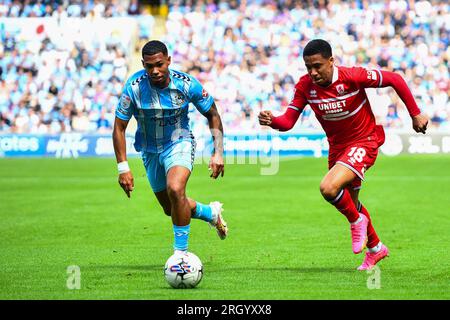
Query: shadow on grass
(238, 269)
(297, 270)
(128, 267)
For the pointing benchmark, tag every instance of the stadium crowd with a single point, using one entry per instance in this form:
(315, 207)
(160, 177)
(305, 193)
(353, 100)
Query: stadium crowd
(246, 53)
(67, 8)
(64, 77)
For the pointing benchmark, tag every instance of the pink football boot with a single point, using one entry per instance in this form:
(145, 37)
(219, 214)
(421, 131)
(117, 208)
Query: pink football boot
(371, 258)
(359, 234)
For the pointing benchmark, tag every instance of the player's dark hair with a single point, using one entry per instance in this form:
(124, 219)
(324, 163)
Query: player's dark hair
(318, 46)
(153, 47)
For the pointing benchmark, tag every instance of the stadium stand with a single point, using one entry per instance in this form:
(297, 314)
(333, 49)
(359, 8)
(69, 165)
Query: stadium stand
(246, 53)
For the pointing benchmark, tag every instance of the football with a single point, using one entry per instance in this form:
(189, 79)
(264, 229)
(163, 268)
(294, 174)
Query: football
(183, 271)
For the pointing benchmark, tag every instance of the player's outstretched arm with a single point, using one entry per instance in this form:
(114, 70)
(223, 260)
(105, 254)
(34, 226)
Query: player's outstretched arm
(216, 164)
(284, 122)
(396, 81)
(126, 180)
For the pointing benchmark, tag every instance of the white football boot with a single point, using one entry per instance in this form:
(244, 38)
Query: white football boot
(218, 221)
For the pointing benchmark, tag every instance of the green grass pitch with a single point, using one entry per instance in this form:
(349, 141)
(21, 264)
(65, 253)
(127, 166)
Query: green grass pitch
(285, 241)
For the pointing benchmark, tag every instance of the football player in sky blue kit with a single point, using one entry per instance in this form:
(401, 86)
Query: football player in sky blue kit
(159, 97)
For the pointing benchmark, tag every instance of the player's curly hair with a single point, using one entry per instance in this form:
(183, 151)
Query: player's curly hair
(318, 46)
(153, 47)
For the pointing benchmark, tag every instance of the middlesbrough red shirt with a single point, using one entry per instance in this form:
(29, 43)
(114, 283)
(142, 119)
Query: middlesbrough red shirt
(342, 108)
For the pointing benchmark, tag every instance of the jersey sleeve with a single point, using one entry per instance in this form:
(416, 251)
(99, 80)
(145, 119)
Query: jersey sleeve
(126, 106)
(367, 78)
(199, 96)
(299, 101)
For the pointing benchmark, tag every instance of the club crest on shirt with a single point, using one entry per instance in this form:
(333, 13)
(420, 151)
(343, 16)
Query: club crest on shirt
(204, 93)
(125, 102)
(179, 99)
(371, 75)
(340, 89)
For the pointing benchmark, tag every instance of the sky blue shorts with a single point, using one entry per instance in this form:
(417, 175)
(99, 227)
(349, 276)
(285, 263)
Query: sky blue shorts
(181, 153)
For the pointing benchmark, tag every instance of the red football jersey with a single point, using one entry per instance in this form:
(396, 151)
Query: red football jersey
(342, 108)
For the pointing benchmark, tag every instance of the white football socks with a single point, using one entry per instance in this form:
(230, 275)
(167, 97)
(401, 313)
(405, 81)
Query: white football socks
(376, 248)
(357, 221)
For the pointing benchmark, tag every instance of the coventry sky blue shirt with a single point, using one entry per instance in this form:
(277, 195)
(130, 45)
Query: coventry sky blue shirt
(161, 114)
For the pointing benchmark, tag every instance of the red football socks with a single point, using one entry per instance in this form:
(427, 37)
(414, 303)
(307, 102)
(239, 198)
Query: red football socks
(344, 203)
(372, 237)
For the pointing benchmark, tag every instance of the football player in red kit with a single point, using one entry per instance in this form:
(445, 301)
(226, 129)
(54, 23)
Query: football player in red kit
(339, 101)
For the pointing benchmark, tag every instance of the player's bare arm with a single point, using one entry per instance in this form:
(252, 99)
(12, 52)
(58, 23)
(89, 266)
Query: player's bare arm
(216, 164)
(126, 180)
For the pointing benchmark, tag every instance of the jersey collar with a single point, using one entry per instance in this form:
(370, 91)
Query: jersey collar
(333, 79)
(169, 86)
(335, 74)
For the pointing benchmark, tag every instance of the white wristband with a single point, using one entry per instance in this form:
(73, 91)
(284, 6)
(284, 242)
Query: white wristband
(123, 167)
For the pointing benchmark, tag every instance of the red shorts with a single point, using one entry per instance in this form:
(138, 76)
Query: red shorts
(358, 157)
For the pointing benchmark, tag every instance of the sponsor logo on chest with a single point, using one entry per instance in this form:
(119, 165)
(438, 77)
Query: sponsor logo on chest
(332, 107)
(336, 103)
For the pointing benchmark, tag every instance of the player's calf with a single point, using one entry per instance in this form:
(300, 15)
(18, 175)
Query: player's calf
(343, 202)
(202, 211)
(212, 214)
(166, 207)
(372, 237)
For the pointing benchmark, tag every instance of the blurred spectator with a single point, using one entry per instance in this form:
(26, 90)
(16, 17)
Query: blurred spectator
(103, 124)
(133, 8)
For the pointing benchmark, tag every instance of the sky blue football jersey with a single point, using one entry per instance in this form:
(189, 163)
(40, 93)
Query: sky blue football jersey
(161, 114)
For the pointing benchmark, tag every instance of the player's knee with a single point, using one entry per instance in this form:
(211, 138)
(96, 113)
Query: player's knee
(176, 191)
(328, 190)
